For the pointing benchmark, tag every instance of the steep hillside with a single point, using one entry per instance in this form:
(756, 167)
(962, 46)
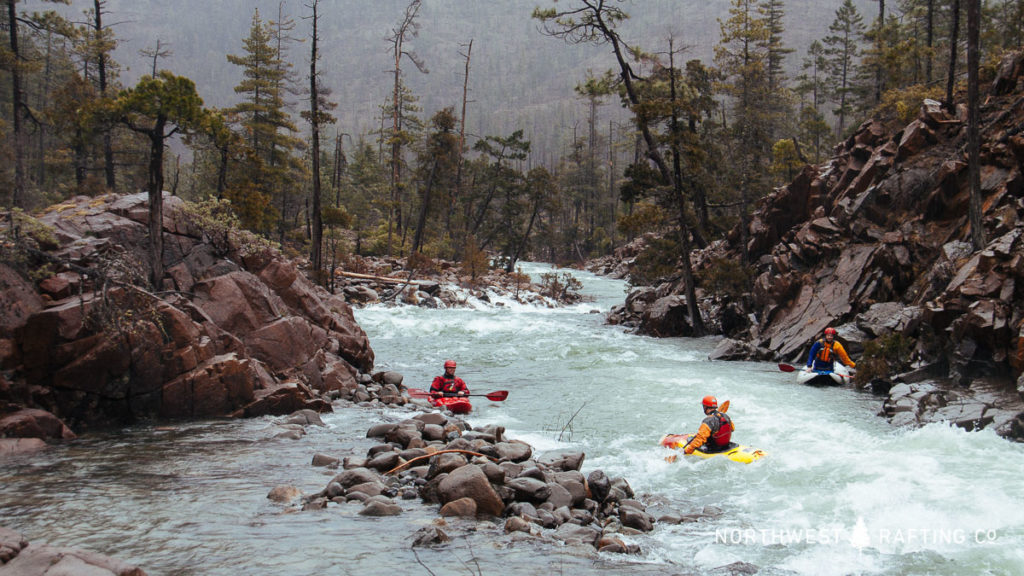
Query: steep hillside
(877, 243)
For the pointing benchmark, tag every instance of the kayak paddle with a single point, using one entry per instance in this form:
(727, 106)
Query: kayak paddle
(496, 396)
(787, 367)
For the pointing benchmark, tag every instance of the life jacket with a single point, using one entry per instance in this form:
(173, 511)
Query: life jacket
(825, 353)
(445, 384)
(721, 430)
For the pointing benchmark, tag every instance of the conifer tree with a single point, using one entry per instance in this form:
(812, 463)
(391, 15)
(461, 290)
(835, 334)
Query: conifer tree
(438, 166)
(842, 47)
(812, 89)
(13, 59)
(773, 13)
(742, 58)
(268, 132)
(158, 108)
(406, 29)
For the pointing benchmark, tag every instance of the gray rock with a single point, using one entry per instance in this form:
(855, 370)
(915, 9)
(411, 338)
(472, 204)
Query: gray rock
(575, 534)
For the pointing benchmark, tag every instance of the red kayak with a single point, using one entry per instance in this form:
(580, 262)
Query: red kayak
(455, 404)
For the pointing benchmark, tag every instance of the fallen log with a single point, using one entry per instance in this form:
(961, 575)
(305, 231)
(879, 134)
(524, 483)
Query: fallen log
(384, 279)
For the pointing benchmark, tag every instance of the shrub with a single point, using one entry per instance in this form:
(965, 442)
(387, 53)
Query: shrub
(904, 104)
(220, 226)
(421, 263)
(562, 287)
(883, 356)
(475, 262)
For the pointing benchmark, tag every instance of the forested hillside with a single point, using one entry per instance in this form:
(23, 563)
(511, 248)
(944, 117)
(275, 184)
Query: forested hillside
(585, 124)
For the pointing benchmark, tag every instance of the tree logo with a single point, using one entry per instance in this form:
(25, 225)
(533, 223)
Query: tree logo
(860, 537)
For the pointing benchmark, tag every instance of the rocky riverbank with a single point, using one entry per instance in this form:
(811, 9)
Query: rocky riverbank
(876, 243)
(19, 557)
(236, 329)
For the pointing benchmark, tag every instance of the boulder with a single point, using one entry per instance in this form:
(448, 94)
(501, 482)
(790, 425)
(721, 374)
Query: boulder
(34, 423)
(471, 482)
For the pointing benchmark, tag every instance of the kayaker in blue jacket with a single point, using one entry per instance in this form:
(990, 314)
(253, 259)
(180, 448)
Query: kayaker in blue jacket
(448, 384)
(825, 351)
(715, 432)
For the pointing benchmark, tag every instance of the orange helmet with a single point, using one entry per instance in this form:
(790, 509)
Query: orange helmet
(449, 364)
(830, 331)
(709, 402)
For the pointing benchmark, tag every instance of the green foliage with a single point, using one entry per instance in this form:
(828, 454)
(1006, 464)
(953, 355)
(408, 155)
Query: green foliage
(785, 160)
(644, 218)
(164, 99)
(34, 233)
(16, 250)
(882, 357)
(658, 259)
(336, 217)
(725, 278)
(903, 105)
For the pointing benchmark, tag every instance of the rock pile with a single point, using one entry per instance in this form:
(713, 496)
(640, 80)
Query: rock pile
(468, 472)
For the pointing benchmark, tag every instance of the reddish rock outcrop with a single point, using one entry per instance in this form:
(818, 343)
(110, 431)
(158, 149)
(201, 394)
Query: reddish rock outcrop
(235, 330)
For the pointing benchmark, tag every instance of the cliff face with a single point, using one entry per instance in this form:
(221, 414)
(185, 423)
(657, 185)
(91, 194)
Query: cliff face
(235, 329)
(876, 242)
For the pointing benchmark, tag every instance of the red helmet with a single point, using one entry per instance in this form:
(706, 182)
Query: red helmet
(709, 402)
(830, 331)
(449, 364)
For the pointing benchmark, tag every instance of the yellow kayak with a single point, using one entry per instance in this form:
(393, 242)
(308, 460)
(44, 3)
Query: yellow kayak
(735, 452)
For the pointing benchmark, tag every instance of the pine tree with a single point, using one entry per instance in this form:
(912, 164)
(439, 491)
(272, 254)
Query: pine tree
(407, 29)
(270, 162)
(812, 127)
(158, 108)
(317, 116)
(742, 58)
(842, 48)
(773, 14)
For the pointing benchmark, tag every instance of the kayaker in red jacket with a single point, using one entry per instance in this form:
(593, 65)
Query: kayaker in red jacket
(826, 351)
(715, 432)
(448, 384)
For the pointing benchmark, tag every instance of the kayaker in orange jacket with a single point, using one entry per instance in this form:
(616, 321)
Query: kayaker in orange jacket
(715, 432)
(448, 384)
(825, 351)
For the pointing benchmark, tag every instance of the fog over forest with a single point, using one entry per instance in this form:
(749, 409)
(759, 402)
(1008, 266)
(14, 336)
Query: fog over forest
(519, 78)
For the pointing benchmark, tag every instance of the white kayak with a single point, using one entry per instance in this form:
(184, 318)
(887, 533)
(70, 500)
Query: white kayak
(840, 376)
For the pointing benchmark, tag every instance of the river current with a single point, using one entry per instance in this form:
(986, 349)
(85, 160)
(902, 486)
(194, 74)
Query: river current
(840, 492)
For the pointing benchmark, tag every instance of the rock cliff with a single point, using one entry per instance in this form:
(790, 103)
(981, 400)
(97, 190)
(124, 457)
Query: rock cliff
(236, 329)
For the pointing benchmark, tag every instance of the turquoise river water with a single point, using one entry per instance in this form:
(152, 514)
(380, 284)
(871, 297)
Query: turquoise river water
(840, 492)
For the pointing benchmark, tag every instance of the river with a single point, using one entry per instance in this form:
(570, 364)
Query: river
(840, 492)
